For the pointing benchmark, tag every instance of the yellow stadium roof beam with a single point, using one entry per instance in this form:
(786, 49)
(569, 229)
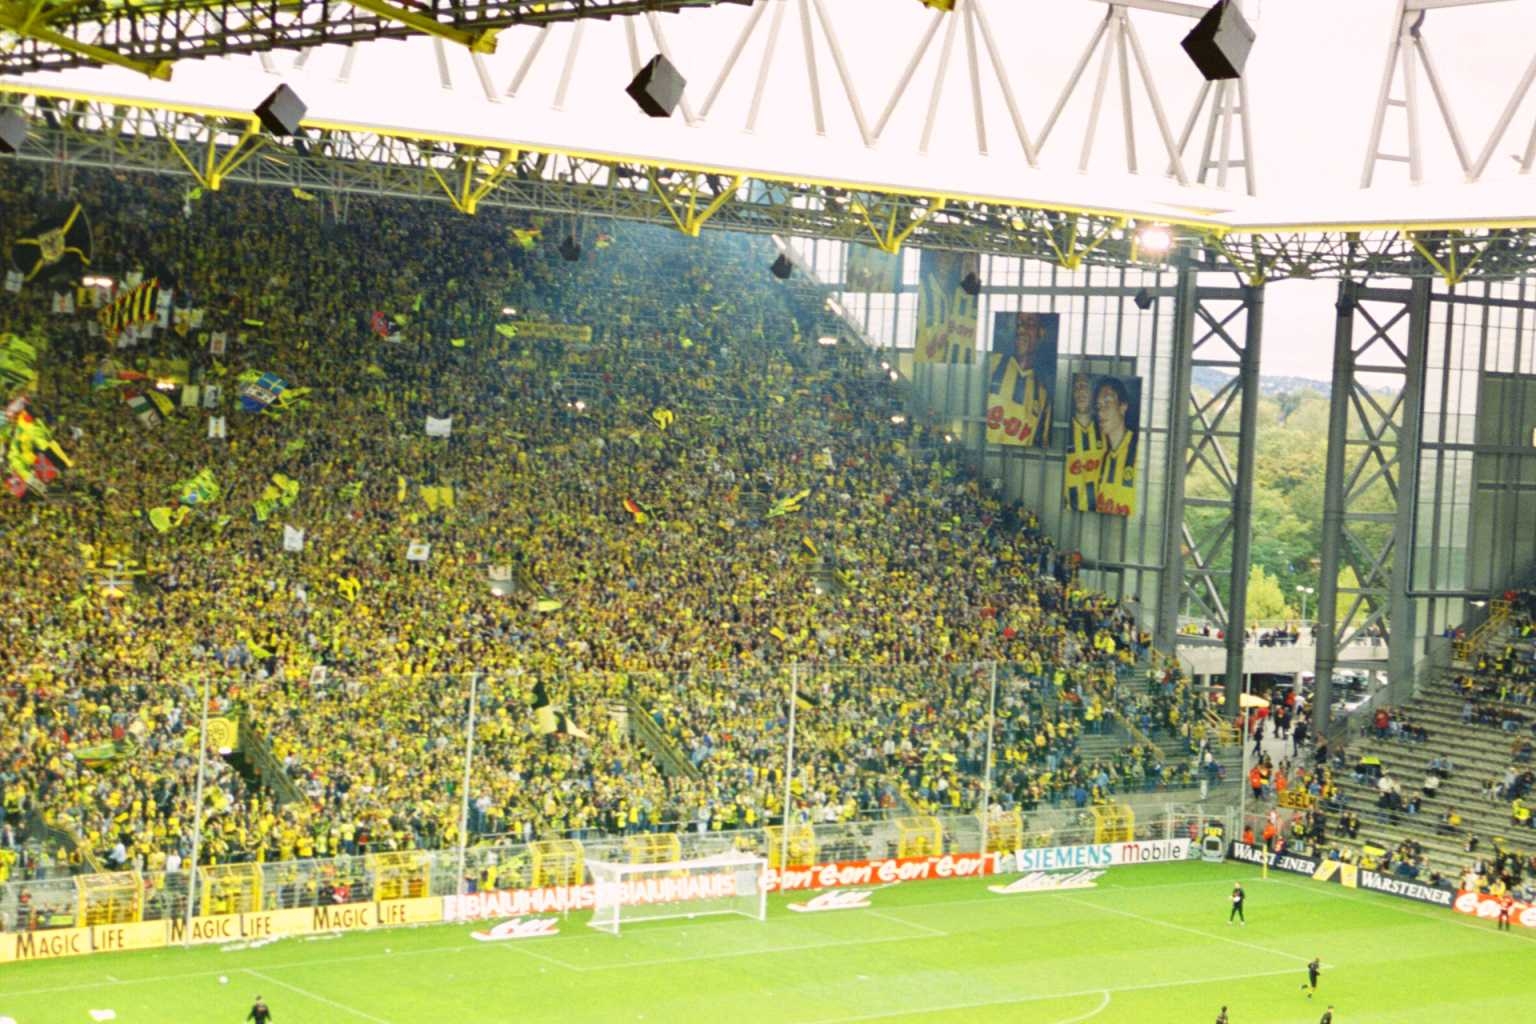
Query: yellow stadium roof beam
(38, 22)
(126, 135)
(150, 35)
(479, 40)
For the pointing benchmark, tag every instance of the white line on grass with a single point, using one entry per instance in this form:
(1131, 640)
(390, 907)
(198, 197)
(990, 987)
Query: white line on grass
(936, 933)
(317, 997)
(1185, 928)
(522, 947)
(992, 898)
(1042, 997)
(1438, 918)
(1103, 1005)
(769, 951)
(155, 979)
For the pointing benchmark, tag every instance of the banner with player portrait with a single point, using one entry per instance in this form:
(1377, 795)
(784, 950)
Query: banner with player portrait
(1102, 444)
(946, 315)
(871, 270)
(1021, 378)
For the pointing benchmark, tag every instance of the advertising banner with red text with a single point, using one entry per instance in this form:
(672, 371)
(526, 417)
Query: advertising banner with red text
(1521, 914)
(882, 871)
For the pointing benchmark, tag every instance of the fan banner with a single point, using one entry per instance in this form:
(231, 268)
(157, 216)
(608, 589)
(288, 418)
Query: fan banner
(1102, 449)
(946, 315)
(1021, 378)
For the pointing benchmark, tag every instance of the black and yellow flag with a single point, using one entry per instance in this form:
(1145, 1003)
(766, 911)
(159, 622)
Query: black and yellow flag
(58, 245)
(136, 306)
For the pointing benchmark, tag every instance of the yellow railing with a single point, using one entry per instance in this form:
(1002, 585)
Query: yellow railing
(1468, 646)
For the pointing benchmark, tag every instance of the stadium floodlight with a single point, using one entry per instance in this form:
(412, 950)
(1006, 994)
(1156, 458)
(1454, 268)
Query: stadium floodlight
(281, 112)
(727, 883)
(658, 88)
(1154, 239)
(895, 376)
(1016, 222)
(782, 268)
(898, 419)
(1220, 41)
(827, 340)
(971, 285)
(1144, 299)
(570, 249)
(509, 311)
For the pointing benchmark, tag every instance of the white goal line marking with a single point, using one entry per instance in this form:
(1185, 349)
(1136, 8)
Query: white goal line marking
(317, 997)
(1043, 996)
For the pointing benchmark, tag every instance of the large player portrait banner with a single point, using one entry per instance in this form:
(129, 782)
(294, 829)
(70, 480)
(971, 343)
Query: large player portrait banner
(946, 315)
(1021, 378)
(871, 270)
(1102, 444)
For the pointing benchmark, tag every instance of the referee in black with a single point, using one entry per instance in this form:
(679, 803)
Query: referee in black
(259, 1012)
(1327, 1017)
(1313, 970)
(1221, 1018)
(1237, 904)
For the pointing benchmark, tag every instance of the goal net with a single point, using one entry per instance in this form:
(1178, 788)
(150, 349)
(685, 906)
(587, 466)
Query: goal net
(726, 883)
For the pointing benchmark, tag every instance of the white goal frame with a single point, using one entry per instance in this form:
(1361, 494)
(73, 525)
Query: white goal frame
(725, 883)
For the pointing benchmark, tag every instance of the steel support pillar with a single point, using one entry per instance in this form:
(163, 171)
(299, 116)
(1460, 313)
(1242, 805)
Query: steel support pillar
(1369, 496)
(1215, 476)
(1171, 597)
(1333, 505)
(1242, 495)
(1402, 620)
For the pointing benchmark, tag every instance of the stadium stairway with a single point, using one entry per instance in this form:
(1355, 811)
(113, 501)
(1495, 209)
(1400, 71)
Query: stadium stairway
(667, 755)
(1479, 754)
(254, 760)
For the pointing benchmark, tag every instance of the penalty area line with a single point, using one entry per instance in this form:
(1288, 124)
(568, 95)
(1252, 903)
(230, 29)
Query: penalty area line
(936, 933)
(317, 997)
(1106, 993)
(1185, 928)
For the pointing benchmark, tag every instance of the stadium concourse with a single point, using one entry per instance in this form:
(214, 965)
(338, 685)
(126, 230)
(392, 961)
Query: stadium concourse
(659, 493)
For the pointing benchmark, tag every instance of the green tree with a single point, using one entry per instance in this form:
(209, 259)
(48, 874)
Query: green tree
(1266, 602)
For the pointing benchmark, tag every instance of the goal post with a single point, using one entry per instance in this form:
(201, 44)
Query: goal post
(727, 883)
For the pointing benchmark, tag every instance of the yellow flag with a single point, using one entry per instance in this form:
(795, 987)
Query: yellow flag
(162, 403)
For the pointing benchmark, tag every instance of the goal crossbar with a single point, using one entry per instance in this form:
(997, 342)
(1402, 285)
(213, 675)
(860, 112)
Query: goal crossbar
(726, 883)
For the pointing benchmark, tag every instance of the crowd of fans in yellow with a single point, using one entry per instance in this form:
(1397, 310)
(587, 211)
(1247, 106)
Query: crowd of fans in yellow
(631, 484)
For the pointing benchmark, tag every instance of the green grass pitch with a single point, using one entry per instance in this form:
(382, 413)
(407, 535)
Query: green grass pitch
(1149, 944)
